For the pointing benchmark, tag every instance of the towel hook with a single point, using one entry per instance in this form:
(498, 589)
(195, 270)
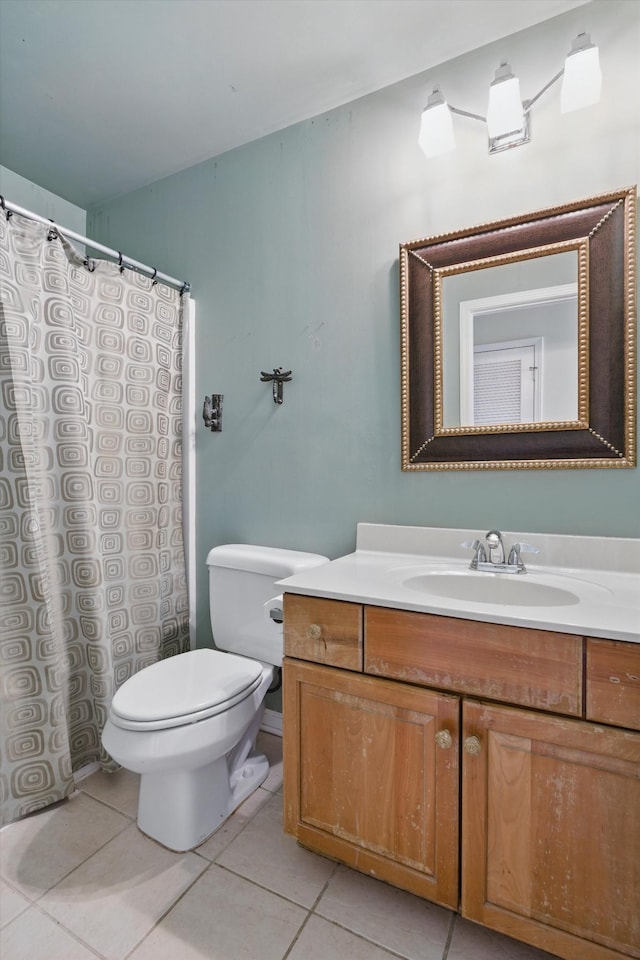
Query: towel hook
(278, 377)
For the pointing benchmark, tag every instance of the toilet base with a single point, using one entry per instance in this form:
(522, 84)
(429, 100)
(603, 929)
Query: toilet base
(204, 797)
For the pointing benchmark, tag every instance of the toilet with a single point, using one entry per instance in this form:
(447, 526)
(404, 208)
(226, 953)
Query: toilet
(188, 724)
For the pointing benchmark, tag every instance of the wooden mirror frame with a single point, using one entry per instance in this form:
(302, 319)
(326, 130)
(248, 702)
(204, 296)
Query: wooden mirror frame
(604, 435)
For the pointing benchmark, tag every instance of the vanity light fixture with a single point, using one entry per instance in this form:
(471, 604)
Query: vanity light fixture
(508, 116)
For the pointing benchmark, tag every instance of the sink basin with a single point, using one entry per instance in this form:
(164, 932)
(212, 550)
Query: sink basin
(494, 588)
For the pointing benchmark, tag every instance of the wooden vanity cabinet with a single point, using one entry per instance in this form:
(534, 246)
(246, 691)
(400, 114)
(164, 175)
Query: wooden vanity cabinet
(491, 769)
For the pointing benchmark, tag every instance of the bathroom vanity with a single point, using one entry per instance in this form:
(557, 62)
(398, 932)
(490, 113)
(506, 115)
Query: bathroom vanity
(483, 755)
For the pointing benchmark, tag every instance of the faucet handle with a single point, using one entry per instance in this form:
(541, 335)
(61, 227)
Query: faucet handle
(527, 548)
(516, 550)
(480, 555)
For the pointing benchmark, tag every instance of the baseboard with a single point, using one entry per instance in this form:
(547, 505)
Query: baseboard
(272, 722)
(86, 771)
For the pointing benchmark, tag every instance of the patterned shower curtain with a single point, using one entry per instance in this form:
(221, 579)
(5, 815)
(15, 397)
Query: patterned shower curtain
(92, 571)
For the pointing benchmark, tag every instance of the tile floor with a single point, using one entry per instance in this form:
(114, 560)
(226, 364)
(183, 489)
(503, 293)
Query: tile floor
(80, 882)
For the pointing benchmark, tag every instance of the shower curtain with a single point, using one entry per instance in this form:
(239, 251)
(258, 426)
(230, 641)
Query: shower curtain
(92, 570)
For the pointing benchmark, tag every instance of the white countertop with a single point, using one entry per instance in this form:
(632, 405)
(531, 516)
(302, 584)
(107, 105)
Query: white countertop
(600, 576)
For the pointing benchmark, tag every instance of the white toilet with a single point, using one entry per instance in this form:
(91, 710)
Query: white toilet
(188, 724)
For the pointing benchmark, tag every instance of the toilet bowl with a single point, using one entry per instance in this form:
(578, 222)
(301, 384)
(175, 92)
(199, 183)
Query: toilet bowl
(188, 724)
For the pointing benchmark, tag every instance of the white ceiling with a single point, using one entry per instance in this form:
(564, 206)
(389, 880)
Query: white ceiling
(100, 97)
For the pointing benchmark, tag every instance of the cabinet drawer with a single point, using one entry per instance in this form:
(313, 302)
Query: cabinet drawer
(532, 668)
(613, 682)
(324, 631)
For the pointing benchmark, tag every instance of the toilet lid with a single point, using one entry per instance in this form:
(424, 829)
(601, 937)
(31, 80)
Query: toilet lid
(199, 682)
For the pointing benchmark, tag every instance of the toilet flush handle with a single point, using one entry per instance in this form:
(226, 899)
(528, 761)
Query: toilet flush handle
(276, 614)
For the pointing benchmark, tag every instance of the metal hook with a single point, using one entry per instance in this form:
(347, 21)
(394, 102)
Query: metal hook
(120, 263)
(153, 277)
(278, 377)
(8, 213)
(53, 233)
(212, 412)
(186, 286)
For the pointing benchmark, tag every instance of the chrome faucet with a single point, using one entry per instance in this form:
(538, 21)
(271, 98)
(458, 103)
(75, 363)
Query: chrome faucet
(490, 556)
(494, 543)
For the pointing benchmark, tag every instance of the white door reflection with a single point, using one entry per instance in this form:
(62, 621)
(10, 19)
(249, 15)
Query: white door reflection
(497, 306)
(549, 372)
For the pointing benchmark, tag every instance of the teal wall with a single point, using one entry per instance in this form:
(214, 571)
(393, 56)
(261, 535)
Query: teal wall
(46, 204)
(291, 247)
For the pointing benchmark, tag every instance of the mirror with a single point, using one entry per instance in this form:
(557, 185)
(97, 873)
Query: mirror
(518, 341)
(516, 327)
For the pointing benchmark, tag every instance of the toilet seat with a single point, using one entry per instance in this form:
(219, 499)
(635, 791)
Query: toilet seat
(184, 689)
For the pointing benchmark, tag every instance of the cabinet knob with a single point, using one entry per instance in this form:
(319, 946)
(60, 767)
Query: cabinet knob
(473, 746)
(314, 632)
(443, 739)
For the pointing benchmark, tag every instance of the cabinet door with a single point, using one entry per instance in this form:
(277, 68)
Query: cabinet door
(551, 831)
(371, 776)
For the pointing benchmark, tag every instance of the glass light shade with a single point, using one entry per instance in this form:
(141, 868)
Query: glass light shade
(436, 128)
(582, 80)
(504, 112)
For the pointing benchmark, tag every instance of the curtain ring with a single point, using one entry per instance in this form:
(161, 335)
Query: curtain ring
(53, 233)
(185, 287)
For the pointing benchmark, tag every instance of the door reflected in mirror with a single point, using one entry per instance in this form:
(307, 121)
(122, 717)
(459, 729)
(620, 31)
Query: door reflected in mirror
(510, 343)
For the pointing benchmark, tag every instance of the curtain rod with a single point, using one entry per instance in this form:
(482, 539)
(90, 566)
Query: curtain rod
(126, 261)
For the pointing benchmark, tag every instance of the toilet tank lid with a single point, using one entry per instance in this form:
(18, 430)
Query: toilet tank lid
(271, 561)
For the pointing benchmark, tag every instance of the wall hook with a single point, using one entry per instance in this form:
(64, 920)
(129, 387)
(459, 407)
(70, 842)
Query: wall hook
(212, 412)
(278, 377)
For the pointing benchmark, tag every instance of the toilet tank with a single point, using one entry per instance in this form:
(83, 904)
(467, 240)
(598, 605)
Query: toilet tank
(242, 579)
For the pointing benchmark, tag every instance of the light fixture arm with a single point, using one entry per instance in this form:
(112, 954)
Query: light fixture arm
(465, 113)
(527, 104)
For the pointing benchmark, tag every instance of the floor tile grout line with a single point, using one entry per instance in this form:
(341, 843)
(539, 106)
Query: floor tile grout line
(365, 939)
(261, 886)
(447, 945)
(361, 936)
(183, 894)
(106, 803)
(73, 869)
(311, 911)
(71, 933)
(9, 883)
(236, 835)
